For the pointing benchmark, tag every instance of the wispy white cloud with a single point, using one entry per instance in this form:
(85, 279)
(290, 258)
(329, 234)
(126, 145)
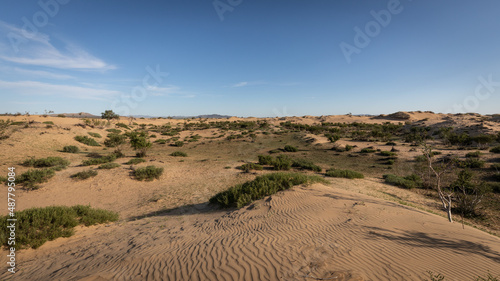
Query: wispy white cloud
(35, 88)
(241, 84)
(168, 91)
(17, 46)
(42, 74)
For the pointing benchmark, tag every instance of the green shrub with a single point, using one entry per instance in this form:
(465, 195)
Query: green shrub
(101, 160)
(306, 165)
(409, 182)
(17, 123)
(161, 141)
(282, 162)
(148, 173)
(391, 143)
(289, 148)
(84, 175)
(179, 153)
(250, 166)
(387, 153)
(348, 147)
(275, 151)
(474, 154)
(114, 140)
(31, 178)
(3, 179)
(471, 163)
(336, 173)
(114, 131)
(135, 161)
(36, 226)
(139, 141)
(265, 159)
(108, 166)
(57, 163)
(122, 125)
(95, 135)
(178, 143)
(495, 149)
(71, 149)
(367, 150)
(242, 194)
(48, 122)
(86, 140)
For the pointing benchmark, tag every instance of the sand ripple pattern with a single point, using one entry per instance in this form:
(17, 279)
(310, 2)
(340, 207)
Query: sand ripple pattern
(306, 233)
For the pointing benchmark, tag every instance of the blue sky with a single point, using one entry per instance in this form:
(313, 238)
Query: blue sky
(249, 58)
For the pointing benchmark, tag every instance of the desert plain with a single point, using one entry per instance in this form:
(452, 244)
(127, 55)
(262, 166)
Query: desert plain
(336, 229)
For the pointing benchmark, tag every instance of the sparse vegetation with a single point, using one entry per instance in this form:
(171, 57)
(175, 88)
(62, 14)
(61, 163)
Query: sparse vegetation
(109, 114)
(179, 153)
(86, 140)
(100, 160)
(495, 149)
(123, 125)
(367, 150)
(282, 162)
(109, 166)
(408, 182)
(36, 226)
(114, 140)
(135, 161)
(250, 166)
(71, 149)
(95, 135)
(242, 194)
(148, 173)
(84, 175)
(178, 143)
(306, 165)
(265, 159)
(139, 141)
(57, 163)
(31, 178)
(338, 173)
(289, 148)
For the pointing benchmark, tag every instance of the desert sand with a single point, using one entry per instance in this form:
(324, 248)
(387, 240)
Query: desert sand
(345, 230)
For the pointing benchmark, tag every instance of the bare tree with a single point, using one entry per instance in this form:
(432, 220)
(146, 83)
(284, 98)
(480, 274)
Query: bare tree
(446, 196)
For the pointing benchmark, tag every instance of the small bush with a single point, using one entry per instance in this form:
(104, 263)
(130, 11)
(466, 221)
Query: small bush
(71, 149)
(289, 148)
(409, 182)
(387, 153)
(275, 151)
(122, 125)
(114, 140)
(36, 226)
(265, 159)
(242, 194)
(474, 154)
(148, 173)
(57, 163)
(48, 122)
(101, 160)
(86, 140)
(84, 175)
(178, 143)
(95, 135)
(114, 131)
(348, 147)
(161, 141)
(109, 166)
(472, 163)
(367, 150)
(336, 173)
(31, 178)
(306, 165)
(250, 166)
(135, 161)
(495, 149)
(178, 153)
(282, 162)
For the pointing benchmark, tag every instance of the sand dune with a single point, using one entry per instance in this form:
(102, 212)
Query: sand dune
(305, 233)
